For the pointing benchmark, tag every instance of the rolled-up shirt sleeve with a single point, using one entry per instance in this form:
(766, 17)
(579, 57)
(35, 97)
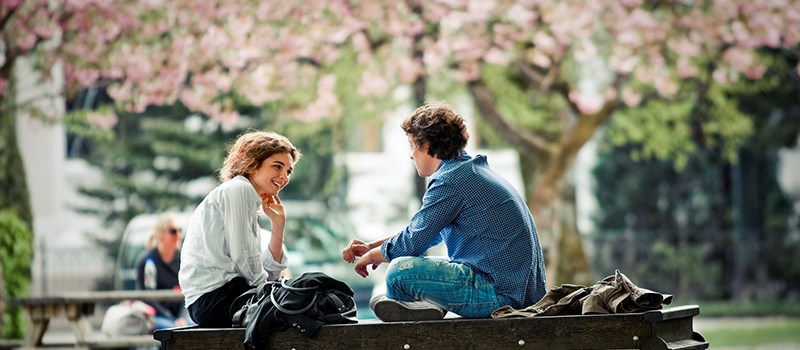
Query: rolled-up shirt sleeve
(242, 232)
(272, 267)
(440, 205)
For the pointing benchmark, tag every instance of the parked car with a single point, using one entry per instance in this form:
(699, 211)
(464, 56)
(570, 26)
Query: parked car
(314, 239)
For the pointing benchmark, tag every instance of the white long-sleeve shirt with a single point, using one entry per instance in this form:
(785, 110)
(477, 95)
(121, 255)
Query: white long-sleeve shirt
(223, 241)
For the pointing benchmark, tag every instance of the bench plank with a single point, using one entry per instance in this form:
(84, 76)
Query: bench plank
(663, 329)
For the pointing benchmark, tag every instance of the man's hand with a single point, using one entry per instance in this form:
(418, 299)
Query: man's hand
(373, 257)
(354, 249)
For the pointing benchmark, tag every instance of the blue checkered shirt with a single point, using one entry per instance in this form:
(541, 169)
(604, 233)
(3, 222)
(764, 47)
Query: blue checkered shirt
(485, 224)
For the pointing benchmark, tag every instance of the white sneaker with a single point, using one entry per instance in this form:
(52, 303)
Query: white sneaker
(390, 310)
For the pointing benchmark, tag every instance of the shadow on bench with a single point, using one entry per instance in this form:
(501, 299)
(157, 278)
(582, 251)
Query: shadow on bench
(663, 329)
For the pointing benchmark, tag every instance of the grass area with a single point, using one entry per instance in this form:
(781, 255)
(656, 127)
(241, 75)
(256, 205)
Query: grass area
(784, 332)
(750, 323)
(749, 308)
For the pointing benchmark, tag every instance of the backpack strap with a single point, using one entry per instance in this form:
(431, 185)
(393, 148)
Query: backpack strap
(336, 301)
(293, 312)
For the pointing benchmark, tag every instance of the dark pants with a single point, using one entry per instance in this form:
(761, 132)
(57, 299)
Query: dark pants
(214, 309)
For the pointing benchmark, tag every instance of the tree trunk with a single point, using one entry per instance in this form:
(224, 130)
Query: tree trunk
(544, 167)
(557, 224)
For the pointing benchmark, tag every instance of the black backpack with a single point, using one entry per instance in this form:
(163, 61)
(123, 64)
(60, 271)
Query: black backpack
(305, 303)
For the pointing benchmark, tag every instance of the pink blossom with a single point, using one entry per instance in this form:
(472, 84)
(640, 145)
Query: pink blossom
(544, 42)
(756, 71)
(739, 58)
(520, 15)
(105, 119)
(610, 94)
(360, 42)
(408, 70)
(432, 59)
(684, 47)
(724, 76)
(631, 3)
(138, 104)
(629, 38)
(86, 77)
(656, 59)
(631, 98)
(26, 41)
(644, 74)
(12, 4)
(480, 11)
(540, 59)
(586, 51)
(622, 63)
(226, 118)
(469, 71)
(496, 56)
(685, 68)
(120, 92)
(665, 85)
(372, 84)
(191, 100)
(3, 86)
(586, 103)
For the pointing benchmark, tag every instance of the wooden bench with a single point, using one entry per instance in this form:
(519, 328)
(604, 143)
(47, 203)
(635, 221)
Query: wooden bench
(663, 329)
(78, 308)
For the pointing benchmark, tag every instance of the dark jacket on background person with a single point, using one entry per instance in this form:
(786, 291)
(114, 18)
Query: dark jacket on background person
(166, 277)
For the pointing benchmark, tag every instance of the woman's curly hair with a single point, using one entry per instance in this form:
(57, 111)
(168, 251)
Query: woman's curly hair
(251, 148)
(439, 127)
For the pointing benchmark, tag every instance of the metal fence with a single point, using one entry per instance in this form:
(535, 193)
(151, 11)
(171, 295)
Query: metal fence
(58, 269)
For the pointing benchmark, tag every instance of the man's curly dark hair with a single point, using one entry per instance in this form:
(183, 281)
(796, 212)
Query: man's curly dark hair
(439, 127)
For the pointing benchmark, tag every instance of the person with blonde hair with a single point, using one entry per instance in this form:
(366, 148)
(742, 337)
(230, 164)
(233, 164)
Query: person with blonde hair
(221, 256)
(158, 267)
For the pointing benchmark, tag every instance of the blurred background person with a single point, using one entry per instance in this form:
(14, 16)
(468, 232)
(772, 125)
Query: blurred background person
(158, 267)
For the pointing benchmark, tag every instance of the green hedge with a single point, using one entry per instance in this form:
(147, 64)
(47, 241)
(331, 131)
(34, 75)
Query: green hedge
(16, 255)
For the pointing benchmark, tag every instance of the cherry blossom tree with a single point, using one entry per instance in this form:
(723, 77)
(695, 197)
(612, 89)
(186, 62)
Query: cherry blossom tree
(588, 60)
(545, 74)
(206, 55)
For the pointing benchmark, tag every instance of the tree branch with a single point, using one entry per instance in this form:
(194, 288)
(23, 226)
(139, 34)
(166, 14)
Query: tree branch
(484, 100)
(29, 103)
(545, 79)
(7, 18)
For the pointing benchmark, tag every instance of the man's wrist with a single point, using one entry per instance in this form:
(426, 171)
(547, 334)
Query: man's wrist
(373, 244)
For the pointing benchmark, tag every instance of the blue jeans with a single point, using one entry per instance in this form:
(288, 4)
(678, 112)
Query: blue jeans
(453, 286)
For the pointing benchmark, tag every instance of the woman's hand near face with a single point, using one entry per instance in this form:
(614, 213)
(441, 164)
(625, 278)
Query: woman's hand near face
(274, 209)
